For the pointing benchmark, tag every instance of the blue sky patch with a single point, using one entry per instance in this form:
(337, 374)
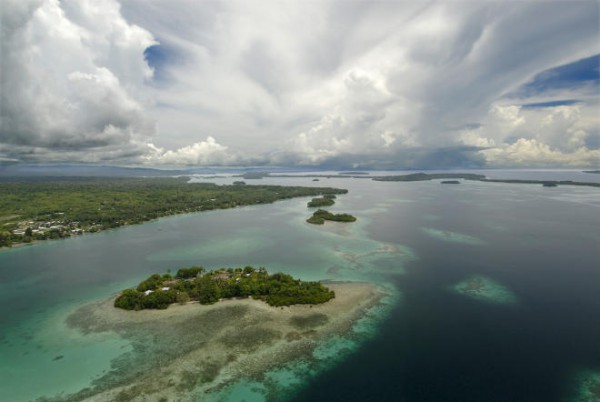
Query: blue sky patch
(555, 103)
(582, 72)
(158, 57)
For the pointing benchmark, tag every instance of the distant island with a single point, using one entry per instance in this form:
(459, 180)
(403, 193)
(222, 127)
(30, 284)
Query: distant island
(545, 183)
(254, 175)
(41, 209)
(208, 287)
(478, 177)
(320, 216)
(450, 182)
(429, 176)
(325, 201)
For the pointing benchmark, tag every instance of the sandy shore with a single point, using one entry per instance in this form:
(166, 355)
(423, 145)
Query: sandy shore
(189, 352)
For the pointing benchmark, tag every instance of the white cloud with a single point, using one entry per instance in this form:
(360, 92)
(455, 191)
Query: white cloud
(510, 114)
(539, 136)
(290, 82)
(532, 153)
(207, 152)
(69, 74)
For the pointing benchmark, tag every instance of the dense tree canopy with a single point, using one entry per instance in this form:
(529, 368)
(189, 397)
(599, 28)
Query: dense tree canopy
(157, 292)
(325, 201)
(72, 205)
(320, 216)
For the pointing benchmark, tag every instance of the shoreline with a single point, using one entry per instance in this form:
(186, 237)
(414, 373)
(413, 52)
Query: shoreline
(193, 351)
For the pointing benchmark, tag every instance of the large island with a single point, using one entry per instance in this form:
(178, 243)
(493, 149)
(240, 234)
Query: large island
(32, 209)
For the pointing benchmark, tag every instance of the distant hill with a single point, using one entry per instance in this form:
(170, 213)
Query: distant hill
(57, 170)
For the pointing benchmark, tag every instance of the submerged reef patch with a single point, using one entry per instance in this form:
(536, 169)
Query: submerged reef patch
(587, 387)
(485, 289)
(209, 352)
(453, 237)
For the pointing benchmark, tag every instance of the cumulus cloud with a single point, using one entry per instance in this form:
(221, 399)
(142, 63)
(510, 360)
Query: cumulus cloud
(377, 83)
(69, 76)
(207, 152)
(361, 121)
(531, 152)
(562, 135)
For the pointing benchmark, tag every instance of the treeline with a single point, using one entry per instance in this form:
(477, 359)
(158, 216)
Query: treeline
(103, 203)
(324, 201)
(429, 176)
(196, 284)
(320, 216)
(479, 177)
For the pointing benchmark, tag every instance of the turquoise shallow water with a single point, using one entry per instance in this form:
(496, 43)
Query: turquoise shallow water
(537, 244)
(43, 356)
(485, 289)
(283, 382)
(50, 280)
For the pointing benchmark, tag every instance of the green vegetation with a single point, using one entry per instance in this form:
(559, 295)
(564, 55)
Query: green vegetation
(320, 216)
(478, 177)
(325, 201)
(194, 284)
(33, 209)
(545, 183)
(255, 175)
(450, 182)
(425, 176)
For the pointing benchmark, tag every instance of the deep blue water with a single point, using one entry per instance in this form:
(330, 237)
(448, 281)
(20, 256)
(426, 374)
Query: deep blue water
(544, 246)
(436, 345)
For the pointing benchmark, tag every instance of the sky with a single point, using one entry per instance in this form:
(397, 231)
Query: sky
(325, 84)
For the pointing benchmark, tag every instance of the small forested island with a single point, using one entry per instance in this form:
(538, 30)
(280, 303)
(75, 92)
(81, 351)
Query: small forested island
(478, 177)
(32, 209)
(325, 201)
(208, 287)
(429, 176)
(254, 175)
(450, 182)
(321, 215)
(545, 183)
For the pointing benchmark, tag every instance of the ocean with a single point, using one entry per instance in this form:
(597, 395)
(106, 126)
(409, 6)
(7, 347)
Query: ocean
(495, 290)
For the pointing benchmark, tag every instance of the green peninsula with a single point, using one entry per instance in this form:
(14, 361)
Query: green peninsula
(208, 287)
(33, 209)
(320, 216)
